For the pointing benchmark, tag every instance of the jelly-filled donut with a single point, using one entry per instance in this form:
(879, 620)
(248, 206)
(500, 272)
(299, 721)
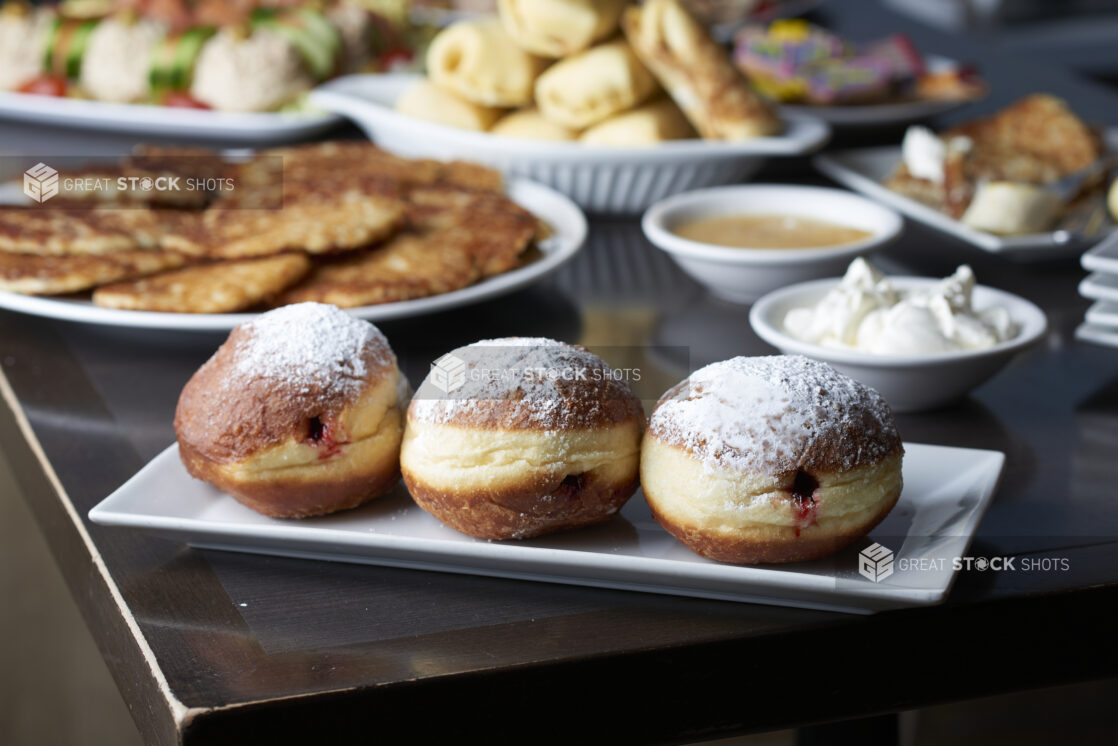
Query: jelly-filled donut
(299, 413)
(770, 459)
(517, 437)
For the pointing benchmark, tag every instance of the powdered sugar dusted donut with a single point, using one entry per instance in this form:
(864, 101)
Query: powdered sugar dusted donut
(517, 437)
(298, 413)
(770, 459)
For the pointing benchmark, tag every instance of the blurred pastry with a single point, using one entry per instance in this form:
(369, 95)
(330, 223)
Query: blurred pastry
(425, 100)
(987, 171)
(1010, 209)
(298, 413)
(655, 122)
(530, 124)
(770, 459)
(559, 28)
(1112, 199)
(696, 72)
(512, 438)
(592, 86)
(478, 60)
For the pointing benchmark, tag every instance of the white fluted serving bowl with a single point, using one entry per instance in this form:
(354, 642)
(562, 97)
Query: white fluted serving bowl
(600, 179)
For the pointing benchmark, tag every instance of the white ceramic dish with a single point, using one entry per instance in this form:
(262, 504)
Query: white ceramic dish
(865, 170)
(1103, 313)
(883, 115)
(1095, 334)
(1099, 286)
(568, 235)
(946, 491)
(164, 121)
(910, 383)
(1103, 256)
(743, 275)
(600, 179)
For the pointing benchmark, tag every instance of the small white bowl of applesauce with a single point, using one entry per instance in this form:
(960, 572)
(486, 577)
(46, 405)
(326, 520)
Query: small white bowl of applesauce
(743, 241)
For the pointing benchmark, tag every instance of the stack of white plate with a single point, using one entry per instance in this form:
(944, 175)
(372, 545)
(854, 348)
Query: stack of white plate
(1101, 286)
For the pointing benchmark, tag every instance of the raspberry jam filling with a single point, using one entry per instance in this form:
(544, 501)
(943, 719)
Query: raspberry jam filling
(803, 499)
(326, 436)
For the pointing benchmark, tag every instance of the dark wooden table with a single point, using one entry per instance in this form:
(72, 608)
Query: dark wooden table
(215, 648)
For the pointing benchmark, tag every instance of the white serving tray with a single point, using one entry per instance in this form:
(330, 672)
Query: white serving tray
(600, 179)
(250, 128)
(568, 226)
(864, 170)
(946, 492)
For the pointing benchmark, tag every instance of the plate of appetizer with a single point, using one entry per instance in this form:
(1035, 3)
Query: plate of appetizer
(201, 71)
(608, 120)
(766, 479)
(379, 235)
(807, 69)
(994, 182)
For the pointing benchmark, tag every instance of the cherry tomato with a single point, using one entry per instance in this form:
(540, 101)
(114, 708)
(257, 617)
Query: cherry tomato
(396, 57)
(45, 85)
(182, 100)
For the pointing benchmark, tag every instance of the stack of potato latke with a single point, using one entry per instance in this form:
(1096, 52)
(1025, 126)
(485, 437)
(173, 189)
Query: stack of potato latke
(341, 223)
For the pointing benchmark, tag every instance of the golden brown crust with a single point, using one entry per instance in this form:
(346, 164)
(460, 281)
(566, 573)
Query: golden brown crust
(281, 498)
(502, 391)
(791, 544)
(408, 266)
(696, 72)
(221, 287)
(226, 415)
(34, 274)
(542, 504)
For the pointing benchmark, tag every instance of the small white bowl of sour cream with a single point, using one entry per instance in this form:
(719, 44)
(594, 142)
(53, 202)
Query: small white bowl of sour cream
(718, 235)
(914, 382)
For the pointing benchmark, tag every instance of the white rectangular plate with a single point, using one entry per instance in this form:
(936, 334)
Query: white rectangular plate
(164, 121)
(1100, 287)
(946, 492)
(1103, 257)
(865, 169)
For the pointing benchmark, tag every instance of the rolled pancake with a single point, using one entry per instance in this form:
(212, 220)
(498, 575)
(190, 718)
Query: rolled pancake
(559, 28)
(425, 100)
(480, 62)
(530, 124)
(697, 72)
(654, 122)
(594, 85)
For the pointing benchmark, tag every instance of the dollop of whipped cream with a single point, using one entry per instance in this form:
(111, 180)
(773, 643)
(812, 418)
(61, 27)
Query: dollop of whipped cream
(866, 312)
(925, 153)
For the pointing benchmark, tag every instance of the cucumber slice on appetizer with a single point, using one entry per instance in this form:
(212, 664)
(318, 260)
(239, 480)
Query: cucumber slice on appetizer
(306, 31)
(67, 40)
(172, 64)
